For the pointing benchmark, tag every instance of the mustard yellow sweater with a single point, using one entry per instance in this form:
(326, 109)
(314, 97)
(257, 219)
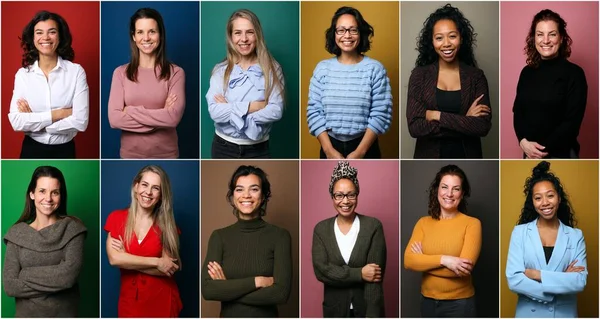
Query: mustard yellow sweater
(460, 237)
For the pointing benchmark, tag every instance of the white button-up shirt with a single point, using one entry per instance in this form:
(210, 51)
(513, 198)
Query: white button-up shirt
(65, 87)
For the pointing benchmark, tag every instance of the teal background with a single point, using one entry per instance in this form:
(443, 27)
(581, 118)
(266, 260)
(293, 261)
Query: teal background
(83, 187)
(280, 24)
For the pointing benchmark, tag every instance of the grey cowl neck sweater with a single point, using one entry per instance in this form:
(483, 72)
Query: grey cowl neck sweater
(41, 268)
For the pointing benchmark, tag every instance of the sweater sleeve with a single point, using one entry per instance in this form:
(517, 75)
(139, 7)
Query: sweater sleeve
(518, 108)
(272, 112)
(420, 262)
(471, 125)
(222, 290)
(57, 277)
(470, 250)
(380, 115)
(374, 290)
(418, 126)
(233, 113)
(279, 292)
(116, 103)
(80, 116)
(26, 121)
(568, 129)
(315, 112)
(12, 284)
(166, 117)
(328, 273)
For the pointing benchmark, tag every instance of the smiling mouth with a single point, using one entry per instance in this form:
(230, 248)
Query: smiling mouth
(146, 199)
(546, 211)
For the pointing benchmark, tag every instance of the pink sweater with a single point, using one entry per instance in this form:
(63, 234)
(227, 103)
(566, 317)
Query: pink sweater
(138, 110)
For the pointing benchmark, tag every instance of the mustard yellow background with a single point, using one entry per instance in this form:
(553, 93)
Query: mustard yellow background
(580, 180)
(384, 18)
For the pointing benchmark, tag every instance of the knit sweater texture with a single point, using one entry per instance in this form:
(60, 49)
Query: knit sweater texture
(346, 99)
(41, 268)
(460, 237)
(245, 250)
(550, 105)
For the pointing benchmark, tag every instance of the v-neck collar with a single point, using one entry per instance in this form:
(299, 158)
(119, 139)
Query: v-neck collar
(560, 246)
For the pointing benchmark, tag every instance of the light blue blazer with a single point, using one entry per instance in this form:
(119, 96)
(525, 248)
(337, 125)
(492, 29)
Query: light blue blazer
(556, 295)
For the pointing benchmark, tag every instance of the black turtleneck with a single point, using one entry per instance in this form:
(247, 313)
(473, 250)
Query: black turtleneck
(550, 105)
(247, 249)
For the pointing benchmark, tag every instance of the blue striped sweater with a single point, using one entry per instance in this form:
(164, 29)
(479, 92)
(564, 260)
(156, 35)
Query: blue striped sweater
(346, 99)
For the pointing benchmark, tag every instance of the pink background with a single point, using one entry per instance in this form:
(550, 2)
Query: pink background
(379, 198)
(582, 26)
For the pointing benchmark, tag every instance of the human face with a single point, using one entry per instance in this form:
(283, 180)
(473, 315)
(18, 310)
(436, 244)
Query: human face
(247, 196)
(148, 191)
(243, 37)
(547, 39)
(345, 206)
(46, 195)
(146, 36)
(545, 200)
(446, 40)
(450, 193)
(45, 37)
(349, 40)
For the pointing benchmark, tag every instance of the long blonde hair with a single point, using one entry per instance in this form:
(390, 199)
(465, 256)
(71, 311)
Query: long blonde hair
(271, 69)
(162, 215)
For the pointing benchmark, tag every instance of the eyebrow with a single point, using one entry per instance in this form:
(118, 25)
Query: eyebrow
(51, 29)
(242, 186)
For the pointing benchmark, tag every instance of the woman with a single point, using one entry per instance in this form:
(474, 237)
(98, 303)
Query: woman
(448, 107)
(147, 95)
(547, 263)
(445, 246)
(551, 93)
(50, 101)
(246, 93)
(143, 240)
(349, 97)
(352, 271)
(248, 265)
(44, 250)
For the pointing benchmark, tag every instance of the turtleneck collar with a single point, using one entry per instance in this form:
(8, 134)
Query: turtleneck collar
(551, 62)
(251, 225)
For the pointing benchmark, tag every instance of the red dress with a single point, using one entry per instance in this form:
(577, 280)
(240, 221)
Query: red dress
(143, 295)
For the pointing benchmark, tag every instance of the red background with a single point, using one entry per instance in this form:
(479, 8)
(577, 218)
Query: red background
(83, 19)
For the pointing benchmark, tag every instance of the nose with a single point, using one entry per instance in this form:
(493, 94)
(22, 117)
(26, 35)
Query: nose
(48, 197)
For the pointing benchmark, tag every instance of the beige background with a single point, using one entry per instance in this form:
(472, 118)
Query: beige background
(282, 211)
(580, 180)
(484, 17)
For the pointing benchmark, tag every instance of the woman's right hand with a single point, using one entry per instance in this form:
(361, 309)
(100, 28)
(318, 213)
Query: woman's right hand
(167, 265)
(477, 109)
(263, 282)
(460, 266)
(23, 106)
(333, 154)
(532, 149)
(573, 268)
(371, 273)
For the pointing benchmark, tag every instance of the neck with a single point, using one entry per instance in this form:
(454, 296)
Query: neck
(350, 57)
(346, 220)
(446, 214)
(143, 213)
(47, 63)
(254, 215)
(548, 223)
(42, 221)
(147, 61)
(448, 65)
(246, 61)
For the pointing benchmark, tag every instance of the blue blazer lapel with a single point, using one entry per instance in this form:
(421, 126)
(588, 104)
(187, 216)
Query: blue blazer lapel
(560, 248)
(535, 245)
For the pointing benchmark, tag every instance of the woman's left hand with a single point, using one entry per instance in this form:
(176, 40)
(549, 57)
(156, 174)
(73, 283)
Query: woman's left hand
(117, 244)
(220, 98)
(215, 271)
(416, 248)
(533, 274)
(23, 106)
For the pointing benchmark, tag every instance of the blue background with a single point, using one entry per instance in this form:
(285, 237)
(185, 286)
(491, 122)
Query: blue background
(183, 48)
(117, 176)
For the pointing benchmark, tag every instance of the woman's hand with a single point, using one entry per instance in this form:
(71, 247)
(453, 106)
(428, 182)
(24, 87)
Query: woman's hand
(460, 266)
(532, 149)
(169, 102)
(371, 273)
(117, 244)
(263, 282)
(215, 271)
(256, 106)
(219, 98)
(23, 106)
(478, 109)
(573, 268)
(333, 154)
(356, 154)
(431, 115)
(416, 247)
(167, 265)
(533, 274)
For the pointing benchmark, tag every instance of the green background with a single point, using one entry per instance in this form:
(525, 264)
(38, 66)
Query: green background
(83, 187)
(279, 21)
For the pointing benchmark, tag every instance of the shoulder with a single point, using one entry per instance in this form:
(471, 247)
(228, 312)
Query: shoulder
(120, 70)
(279, 231)
(118, 215)
(219, 68)
(520, 229)
(324, 66)
(15, 231)
(573, 232)
(370, 222)
(323, 225)
(575, 69)
(471, 219)
(176, 70)
(421, 72)
(373, 64)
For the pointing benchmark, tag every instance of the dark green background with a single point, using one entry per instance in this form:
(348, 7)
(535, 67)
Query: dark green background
(279, 21)
(83, 187)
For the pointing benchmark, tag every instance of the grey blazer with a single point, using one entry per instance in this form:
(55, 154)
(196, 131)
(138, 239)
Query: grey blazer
(343, 282)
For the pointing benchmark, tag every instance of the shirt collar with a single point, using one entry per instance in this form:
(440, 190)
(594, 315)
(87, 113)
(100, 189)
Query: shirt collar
(59, 65)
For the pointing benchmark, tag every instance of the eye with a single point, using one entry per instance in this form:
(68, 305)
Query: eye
(56, 193)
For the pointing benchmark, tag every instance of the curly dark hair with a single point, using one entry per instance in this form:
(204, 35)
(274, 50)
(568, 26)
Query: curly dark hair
(533, 56)
(265, 186)
(433, 209)
(541, 172)
(427, 54)
(365, 32)
(64, 49)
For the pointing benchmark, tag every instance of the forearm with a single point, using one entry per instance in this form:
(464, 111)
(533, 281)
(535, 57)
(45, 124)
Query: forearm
(30, 122)
(422, 262)
(128, 261)
(226, 290)
(152, 272)
(325, 142)
(368, 139)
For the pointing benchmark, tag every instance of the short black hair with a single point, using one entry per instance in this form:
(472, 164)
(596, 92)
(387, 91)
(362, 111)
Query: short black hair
(365, 32)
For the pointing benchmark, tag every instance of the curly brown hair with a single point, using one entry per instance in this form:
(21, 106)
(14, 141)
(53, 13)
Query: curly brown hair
(533, 56)
(433, 209)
